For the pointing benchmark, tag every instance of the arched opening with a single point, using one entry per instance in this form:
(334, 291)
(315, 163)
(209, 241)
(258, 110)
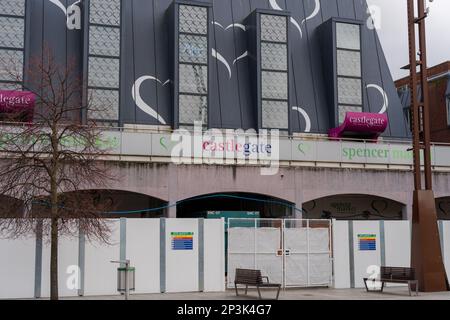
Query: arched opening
(109, 204)
(265, 206)
(443, 208)
(354, 207)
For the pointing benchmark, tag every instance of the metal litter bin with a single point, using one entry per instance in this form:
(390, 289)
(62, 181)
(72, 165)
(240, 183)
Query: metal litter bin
(122, 278)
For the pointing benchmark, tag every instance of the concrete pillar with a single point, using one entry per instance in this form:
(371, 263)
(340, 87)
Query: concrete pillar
(298, 195)
(171, 212)
(408, 209)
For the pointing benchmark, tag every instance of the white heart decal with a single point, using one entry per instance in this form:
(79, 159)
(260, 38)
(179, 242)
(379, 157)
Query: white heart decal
(135, 92)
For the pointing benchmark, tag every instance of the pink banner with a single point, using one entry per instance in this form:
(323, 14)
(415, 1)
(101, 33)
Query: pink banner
(22, 102)
(361, 125)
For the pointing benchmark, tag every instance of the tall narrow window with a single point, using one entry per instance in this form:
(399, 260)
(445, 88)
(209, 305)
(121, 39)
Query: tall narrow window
(349, 73)
(448, 110)
(191, 74)
(408, 118)
(268, 39)
(12, 35)
(104, 60)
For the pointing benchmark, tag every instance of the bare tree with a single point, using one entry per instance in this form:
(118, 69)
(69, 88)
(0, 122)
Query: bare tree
(47, 162)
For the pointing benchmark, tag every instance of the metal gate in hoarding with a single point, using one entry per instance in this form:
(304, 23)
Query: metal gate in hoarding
(293, 252)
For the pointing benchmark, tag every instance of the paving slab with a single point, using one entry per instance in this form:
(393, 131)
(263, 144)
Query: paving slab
(297, 294)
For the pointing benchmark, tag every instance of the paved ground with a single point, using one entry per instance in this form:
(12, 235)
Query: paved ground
(303, 294)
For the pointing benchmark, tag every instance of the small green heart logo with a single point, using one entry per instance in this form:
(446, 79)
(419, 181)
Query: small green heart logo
(303, 148)
(162, 142)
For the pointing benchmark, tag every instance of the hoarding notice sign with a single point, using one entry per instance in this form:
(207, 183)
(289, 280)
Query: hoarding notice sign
(367, 242)
(182, 241)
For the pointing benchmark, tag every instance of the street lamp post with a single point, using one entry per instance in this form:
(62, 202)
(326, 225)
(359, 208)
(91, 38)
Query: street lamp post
(426, 254)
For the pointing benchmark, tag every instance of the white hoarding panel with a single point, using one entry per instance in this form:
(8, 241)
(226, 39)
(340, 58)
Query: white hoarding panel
(69, 273)
(341, 255)
(100, 276)
(214, 255)
(182, 259)
(143, 251)
(397, 235)
(366, 248)
(17, 268)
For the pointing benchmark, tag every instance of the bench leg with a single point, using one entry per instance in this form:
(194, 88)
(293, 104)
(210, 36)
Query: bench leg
(246, 289)
(237, 293)
(416, 286)
(278, 293)
(365, 283)
(259, 293)
(409, 288)
(382, 286)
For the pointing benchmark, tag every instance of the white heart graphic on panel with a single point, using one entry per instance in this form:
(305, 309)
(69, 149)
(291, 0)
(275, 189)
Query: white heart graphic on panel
(135, 93)
(305, 116)
(72, 14)
(275, 6)
(385, 106)
(217, 55)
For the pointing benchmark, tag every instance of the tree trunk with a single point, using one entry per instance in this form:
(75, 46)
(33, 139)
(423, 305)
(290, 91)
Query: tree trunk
(54, 260)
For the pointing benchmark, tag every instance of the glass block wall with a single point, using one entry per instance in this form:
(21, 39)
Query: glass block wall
(104, 60)
(349, 73)
(12, 43)
(193, 67)
(274, 72)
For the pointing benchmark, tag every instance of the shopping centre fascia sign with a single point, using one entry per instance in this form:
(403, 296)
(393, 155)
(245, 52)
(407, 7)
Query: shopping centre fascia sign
(353, 151)
(359, 123)
(246, 149)
(16, 140)
(14, 101)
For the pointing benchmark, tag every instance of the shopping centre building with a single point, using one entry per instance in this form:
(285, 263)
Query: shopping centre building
(314, 70)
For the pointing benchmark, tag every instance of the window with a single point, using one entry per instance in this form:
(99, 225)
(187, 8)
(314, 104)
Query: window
(407, 114)
(12, 34)
(448, 110)
(349, 73)
(193, 69)
(104, 60)
(274, 72)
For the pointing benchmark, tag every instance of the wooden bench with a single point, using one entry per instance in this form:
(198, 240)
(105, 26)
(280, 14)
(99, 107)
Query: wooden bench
(396, 275)
(253, 278)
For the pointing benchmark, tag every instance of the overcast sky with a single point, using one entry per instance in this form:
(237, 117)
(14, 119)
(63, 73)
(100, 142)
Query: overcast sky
(394, 36)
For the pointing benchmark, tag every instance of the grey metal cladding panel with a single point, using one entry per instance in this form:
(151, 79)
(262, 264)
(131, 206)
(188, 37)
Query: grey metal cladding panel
(143, 53)
(322, 106)
(55, 32)
(34, 44)
(128, 109)
(346, 8)
(214, 90)
(371, 67)
(240, 11)
(302, 88)
(49, 30)
(139, 65)
(229, 112)
(162, 59)
(399, 127)
(328, 11)
(379, 74)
